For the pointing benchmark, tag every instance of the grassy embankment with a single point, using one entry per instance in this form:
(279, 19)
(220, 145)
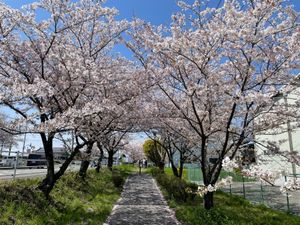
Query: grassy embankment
(73, 201)
(228, 210)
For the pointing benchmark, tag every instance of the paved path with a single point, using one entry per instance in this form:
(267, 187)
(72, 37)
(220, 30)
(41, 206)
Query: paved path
(141, 203)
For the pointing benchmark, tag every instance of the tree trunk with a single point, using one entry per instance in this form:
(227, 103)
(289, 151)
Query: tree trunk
(98, 167)
(161, 166)
(86, 162)
(83, 168)
(181, 163)
(68, 161)
(174, 169)
(208, 200)
(48, 183)
(110, 160)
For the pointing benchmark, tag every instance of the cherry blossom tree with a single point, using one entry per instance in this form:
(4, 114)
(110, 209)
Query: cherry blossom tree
(162, 124)
(113, 143)
(7, 140)
(50, 67)
(173, 145)
(135, 151)
(219, 68)
(108, 123)
(102, 128)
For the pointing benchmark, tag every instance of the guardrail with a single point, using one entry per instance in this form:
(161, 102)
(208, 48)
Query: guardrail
(17, 162)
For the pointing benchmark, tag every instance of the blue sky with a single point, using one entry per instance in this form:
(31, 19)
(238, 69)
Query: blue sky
(155, 11)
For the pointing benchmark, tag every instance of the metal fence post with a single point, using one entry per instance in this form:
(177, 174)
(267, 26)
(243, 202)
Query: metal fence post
(189, 173)
(287, 197)
(194, 173)
(15, 165)
(262, 191)
(244, 191)
(230, 189)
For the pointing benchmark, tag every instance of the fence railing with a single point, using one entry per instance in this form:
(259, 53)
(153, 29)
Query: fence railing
(256, 191)
(13, 163)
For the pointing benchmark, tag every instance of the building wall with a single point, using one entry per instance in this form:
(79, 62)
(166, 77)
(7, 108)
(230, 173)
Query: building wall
(273, 161)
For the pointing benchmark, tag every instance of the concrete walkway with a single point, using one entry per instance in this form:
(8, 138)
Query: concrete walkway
(141, 203)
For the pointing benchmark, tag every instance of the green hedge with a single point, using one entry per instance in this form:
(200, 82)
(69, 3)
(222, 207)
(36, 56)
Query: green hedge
(175, 187)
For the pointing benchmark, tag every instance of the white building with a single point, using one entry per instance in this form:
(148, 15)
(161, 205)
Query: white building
(287, 138)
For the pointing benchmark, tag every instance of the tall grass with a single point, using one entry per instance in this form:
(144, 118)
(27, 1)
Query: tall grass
(228, 210)
(73, 201)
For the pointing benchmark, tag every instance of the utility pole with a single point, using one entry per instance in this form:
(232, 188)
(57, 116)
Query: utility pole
(9, 149)
(290, 137)
(23, 148)
(1, 150)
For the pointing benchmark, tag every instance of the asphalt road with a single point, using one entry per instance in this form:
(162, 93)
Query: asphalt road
(7, 174)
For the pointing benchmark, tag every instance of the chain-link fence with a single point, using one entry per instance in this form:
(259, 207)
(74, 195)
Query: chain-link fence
(258, 192)
(194, 173)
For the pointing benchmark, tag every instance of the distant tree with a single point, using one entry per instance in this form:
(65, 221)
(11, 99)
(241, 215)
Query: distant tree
(155, 153)
(7, 140)
(135, 151)
(112, 143)
(100, 156)
(176, 145)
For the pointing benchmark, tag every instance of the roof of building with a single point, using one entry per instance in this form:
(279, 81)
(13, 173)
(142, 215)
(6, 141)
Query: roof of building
(56, 151)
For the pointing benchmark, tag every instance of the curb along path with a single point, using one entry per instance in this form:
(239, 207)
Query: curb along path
(141, 203)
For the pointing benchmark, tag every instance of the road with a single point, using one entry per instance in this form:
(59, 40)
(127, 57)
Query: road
(7, 174)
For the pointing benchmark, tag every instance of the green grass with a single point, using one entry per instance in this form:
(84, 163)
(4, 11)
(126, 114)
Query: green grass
(228, 210)
(169, 171)
(73, 201)
(126, 169)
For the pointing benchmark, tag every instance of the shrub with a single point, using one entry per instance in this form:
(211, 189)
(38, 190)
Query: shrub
(162, 179)
(118, 180)
(191, 189)
(156, 171)
(176, 188)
